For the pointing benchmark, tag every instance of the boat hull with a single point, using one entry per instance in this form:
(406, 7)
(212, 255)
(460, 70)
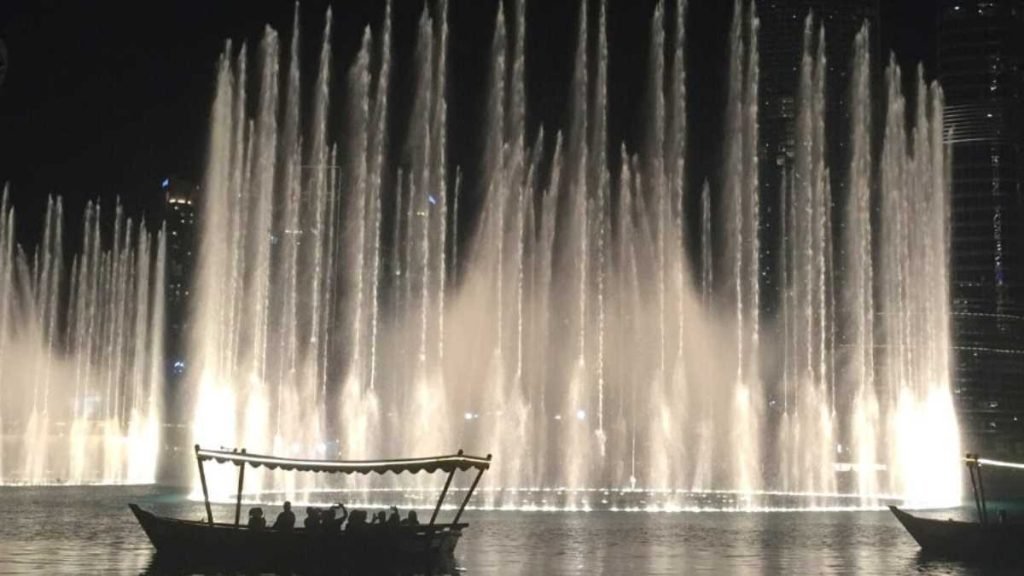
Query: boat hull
(964, 540)
(375, 548)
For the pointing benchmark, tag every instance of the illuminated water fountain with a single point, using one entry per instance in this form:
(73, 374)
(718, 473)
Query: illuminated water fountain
(342, 312)
(81, 353)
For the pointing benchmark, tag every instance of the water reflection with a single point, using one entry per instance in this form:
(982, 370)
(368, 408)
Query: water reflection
(91, 531)
(169, 567)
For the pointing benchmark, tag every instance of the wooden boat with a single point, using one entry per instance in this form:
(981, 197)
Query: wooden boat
(964, 540)
(378, 548)
(999, 541)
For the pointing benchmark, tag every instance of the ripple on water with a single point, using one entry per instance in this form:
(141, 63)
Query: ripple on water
(89, 530)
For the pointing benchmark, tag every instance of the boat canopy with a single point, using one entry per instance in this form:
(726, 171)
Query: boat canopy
(448, 464)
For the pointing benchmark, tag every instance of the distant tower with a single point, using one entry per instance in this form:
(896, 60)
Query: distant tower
(3, 61)
(981, 68)
(180, 198)
(780, 44)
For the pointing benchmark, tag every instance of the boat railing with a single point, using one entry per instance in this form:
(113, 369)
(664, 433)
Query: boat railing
(421, 529)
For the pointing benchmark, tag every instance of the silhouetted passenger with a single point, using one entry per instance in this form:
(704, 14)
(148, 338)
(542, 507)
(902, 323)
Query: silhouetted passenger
(380, 518)
(329, 522)
(394, 519)
(286, 519)
(411, 519)
(256, 519)
(357, 520)
(312, 521)
(326, 519)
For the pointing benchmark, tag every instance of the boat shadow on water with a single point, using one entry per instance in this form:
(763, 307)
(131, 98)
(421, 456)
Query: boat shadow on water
(161, 565)
(931, 563)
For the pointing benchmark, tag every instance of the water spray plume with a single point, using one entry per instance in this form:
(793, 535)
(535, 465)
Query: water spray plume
(566, 330)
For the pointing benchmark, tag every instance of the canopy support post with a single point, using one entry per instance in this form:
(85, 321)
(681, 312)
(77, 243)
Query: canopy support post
(981, 490)
(206, 494)
(972, 463)
(238, 501)
(444, 492)
(469, 494)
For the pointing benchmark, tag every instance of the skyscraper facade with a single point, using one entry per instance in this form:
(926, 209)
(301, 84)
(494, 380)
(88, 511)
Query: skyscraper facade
(180, 198)
(981, 68)
(3, 61)
(780, 44)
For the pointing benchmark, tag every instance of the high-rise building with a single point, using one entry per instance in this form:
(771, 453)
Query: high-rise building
(3, 61)
(780, 44)
(180, 197)
(981, 69)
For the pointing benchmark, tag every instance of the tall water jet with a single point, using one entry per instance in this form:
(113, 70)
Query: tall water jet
(741, 250)
(808, 434)
(81, 353)
(859, 289)
(915, 331)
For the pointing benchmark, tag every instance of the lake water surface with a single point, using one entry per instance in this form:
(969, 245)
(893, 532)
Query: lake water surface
(89, 530)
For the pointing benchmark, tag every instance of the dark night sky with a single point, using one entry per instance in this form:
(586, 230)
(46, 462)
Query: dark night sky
(107, 98)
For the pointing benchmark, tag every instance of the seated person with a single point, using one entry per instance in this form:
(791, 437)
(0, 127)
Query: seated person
(286, 519)
(394, 519)
(380, 518)
(256, 519)
(312, 520)
(411, 519)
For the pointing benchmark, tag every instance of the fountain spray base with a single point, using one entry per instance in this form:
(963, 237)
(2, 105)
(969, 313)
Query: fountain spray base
(588, 499)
